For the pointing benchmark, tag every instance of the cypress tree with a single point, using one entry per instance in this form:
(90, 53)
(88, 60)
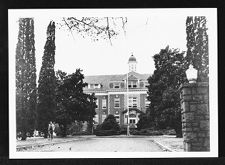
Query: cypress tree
(25, 78)
(197, 45)
(47, 83)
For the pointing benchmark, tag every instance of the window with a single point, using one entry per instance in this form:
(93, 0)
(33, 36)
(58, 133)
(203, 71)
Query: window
(133, 102)
(116, 85)
(147, 102)
(125, 119)
(117, 118)
(91, 86)
(129, 84)
(103, 103)
(132, 121)
(116, 102)
(96, 101)
(132, 84)
(146, 84)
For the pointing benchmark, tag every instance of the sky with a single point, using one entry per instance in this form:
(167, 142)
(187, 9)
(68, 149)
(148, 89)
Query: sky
(147, 31)
(145, 36)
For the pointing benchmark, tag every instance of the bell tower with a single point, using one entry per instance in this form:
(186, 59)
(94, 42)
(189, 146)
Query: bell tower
(132, 62)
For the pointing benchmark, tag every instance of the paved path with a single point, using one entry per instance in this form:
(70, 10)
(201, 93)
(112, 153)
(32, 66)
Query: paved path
(103, 144)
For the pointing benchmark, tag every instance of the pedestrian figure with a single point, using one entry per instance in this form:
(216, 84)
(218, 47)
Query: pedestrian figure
(50, 130)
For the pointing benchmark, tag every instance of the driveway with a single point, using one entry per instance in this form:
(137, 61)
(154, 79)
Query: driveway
(102, 144)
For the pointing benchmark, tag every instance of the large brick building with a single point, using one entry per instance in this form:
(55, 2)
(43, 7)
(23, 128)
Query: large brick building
(113, 96)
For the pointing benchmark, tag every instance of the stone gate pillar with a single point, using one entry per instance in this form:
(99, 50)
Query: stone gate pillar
(195, 116)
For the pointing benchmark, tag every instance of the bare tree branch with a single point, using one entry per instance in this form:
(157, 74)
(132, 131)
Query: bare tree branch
(69, 28)
(123, 26)
(107, 30)
(95, 27)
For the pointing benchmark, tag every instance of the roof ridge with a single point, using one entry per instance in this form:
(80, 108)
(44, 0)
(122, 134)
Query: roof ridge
(116, 74)
(104, 75)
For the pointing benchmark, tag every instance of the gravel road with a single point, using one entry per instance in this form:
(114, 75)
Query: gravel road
(103, 145)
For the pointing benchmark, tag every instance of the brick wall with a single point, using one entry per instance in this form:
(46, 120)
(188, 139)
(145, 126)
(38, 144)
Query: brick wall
(99, 110)
(120, 109)
(195, 116)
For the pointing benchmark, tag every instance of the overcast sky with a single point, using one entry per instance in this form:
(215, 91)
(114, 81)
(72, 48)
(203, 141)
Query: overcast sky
(146, 34)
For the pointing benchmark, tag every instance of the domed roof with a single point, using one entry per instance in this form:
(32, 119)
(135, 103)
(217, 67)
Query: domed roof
(132, 58)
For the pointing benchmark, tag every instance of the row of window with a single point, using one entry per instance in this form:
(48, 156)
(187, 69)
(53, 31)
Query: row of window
(116, 85)
(131, 84)
(132, 102)
(103, 103)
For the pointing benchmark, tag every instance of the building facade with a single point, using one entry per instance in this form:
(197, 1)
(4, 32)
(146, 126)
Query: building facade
(118, 93)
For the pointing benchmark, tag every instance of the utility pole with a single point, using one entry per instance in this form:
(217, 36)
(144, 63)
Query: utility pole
(128, 121)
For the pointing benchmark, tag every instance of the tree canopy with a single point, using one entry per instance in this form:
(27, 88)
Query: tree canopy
(47, 83)
(26, 95)
(72, 103)
(197, 45)
(163, 89)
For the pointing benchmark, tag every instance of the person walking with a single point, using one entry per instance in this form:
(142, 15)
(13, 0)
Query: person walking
(50, 130)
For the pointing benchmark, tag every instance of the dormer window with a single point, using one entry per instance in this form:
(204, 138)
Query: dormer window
(94, 86)
(91, 86)
(116, 85)
(132, 84)
(146, 84)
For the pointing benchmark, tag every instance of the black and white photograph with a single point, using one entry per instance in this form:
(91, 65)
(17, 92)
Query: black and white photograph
(113, 83)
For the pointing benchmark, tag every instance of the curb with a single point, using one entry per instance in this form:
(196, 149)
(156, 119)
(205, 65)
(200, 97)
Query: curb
(41, 145)
(165, 148)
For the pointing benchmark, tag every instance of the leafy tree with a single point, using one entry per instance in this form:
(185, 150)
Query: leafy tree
(197, 45)
(26, 95)
(163, 89)
(72, 103)
(47, 83)
(144, 121)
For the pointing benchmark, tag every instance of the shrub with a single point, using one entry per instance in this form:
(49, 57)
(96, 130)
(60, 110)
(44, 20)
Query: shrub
(81, 133)
(75, 128)
(108, 127)
(148, 132)
(110, 123)
(123, 131)
(169, 132)
(106, 132)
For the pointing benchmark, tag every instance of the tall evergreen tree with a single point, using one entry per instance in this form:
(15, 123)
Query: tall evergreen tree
(163, 89)
(26, 96)
(72, 103)
(197, 45)
(47, 83)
